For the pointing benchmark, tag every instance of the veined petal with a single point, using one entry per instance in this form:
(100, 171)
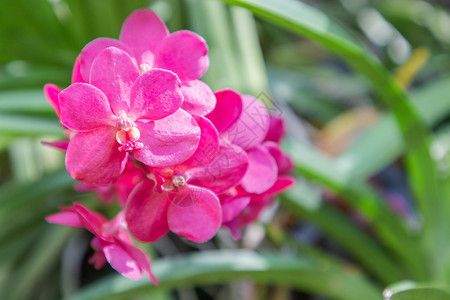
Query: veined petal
(142, 31)
(91, 50)
(252, 126)
(208, 146)
(155, 94)
(223, 172)
(84, 107)
(198, 98)
(93, 157)
(184, 53)
(262, 171)
(198, 222)
(51, 92)
(169, 141)
(227, 110)
(146, 212)
(113, 72)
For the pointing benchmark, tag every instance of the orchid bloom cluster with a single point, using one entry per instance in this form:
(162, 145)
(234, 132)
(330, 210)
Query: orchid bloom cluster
(143, 129)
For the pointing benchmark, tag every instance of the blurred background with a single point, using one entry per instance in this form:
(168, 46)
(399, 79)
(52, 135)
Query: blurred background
(329, 109)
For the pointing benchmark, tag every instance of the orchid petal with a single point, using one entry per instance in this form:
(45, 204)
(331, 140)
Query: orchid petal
(142, 31)
(68, 218)
(233, 206)
(260, 162)
(252, 126)
(156, 94)
(198, 98)
(223, 172)
(51, 92)
(93, 158)
(169, 141)
(92, 221)
(121, 260)
(208, 146)
(276, 129)
(59, 145)
(284, 162)
(142, 261)
(146, 212)
(282, 184)
(184, 53)
(113, 72)
(76, 71)
(84, 107)
(227, 110)
(199, 221)
(91, 50)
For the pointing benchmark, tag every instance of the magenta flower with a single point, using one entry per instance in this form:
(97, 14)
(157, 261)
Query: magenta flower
(111, 243)
(121, 111)
(182, 198)
(146, 39)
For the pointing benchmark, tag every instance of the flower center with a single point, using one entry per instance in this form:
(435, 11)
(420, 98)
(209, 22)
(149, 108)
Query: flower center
(167, 180)
(144, 68)
(128, 135)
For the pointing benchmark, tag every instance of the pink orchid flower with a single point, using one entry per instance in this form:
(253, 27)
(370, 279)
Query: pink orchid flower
(111, 243)
(182, 198)
(146, 39)
(121, 111)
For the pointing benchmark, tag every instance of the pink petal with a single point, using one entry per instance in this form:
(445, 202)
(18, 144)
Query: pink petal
(60, 145)
(169, 141)
(198, 222)
(121, 260)
(97, 259)
(146, 212)
(68, 218)
(142, 31)
(284, 162)
(198, 98)
(92, 221)
(282, 184)
(208, 146)
(156, 94)
(84, 107)
(262, 171)
(252, 126)
(142, 261)
(184, 53)
(113, 72)
(276, 129)
(51, 92)
(224, 172)
(127, 182)
(91, 50)
(227, 111)
(76, 71)
(233, 206)
(93, 157)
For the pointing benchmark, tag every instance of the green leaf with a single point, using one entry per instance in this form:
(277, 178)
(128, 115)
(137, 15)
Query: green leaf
(408, 290)
(11, 125)
(212, 267)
